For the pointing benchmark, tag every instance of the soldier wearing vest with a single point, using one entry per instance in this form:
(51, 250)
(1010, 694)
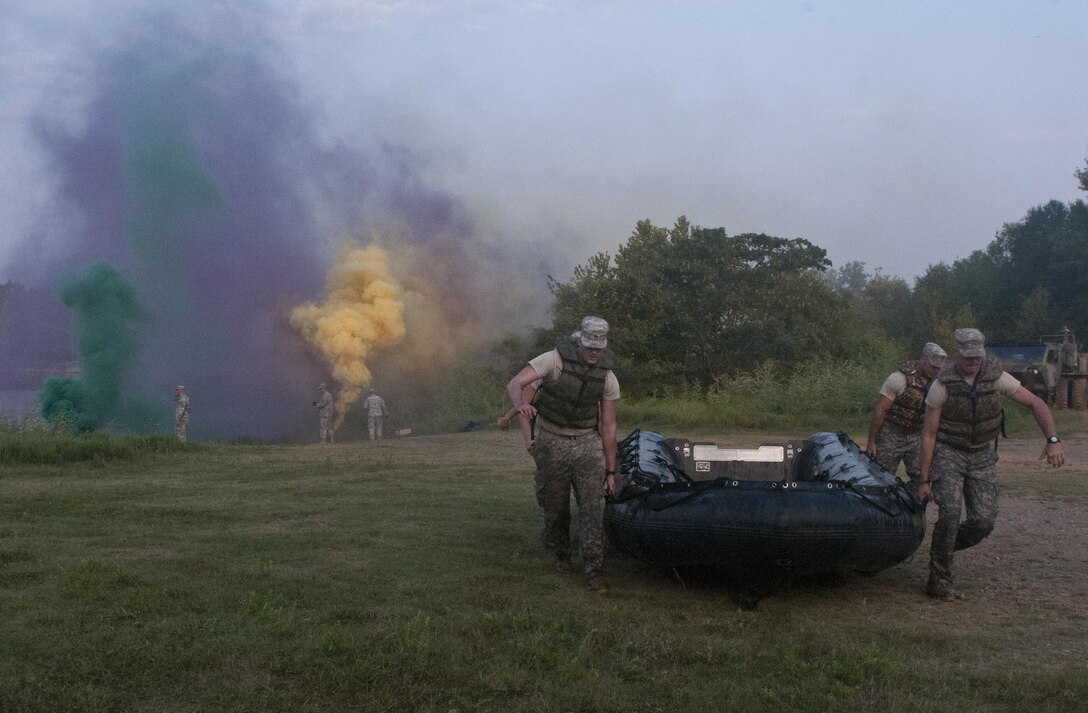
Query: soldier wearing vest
(958, 457)
(575, 445)
(896, 426)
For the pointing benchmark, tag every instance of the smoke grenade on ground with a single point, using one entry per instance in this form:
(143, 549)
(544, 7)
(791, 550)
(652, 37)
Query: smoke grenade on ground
(362, 312)
(104, 321)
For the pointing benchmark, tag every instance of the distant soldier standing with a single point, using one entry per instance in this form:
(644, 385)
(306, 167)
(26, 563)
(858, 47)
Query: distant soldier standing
(324, 413)
(962, 422)
(575, 444)
(182, 406)
(896, 427)
(375, 415)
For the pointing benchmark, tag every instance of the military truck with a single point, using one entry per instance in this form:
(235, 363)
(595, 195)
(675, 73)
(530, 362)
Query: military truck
(1040, 367)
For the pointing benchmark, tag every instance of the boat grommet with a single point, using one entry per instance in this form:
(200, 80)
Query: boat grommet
(774, 485)
(830, 486)
(735, 483)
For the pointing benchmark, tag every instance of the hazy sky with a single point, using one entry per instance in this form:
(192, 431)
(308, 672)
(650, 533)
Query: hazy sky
(899, 134)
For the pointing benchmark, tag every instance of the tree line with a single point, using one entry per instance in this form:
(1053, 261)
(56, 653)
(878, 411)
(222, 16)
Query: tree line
(691, 306)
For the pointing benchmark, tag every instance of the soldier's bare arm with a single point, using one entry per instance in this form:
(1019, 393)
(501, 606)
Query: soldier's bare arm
(515, 390)
(925, 452)
(1052, 452)
(608, 444)
(883, 403)
(526, 422)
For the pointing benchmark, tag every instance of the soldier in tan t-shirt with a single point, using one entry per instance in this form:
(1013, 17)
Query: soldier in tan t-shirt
(575, 445)
(896, 425)
(958, 459)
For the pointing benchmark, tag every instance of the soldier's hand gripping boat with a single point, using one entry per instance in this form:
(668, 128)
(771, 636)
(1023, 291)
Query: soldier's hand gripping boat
(804, 507)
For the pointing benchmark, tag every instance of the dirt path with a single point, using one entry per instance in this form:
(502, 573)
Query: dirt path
(1031, 570)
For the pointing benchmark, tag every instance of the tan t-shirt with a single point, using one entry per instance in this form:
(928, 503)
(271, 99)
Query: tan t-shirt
(548, 367)
(895, 384)
(1006, 385)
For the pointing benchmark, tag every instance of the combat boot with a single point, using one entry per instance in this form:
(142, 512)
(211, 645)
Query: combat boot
(562, 566)
(942, 590)
(596, 584)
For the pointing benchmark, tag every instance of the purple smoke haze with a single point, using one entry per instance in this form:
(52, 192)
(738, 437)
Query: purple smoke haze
(197, 172)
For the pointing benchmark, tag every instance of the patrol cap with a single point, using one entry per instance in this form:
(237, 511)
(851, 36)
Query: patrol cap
(970, 342)
(321, 385)
(180, 387)
(594, 333)
(934, 354)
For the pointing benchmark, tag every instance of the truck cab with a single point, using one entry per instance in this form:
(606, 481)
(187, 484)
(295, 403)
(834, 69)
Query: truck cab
(1039, 367)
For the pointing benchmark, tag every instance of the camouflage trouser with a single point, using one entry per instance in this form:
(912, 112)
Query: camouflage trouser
(538, 486)
(181, 428)
(961, 479)
(894, 444)
(577, 462)
(374, 426)
(326, 429)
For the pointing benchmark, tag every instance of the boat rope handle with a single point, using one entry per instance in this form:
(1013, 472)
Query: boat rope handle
(850, 486)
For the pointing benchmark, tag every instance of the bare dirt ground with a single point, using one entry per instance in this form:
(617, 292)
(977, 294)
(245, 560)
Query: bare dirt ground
(1032, 571)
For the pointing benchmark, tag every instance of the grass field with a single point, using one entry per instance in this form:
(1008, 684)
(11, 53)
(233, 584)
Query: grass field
(408, 576)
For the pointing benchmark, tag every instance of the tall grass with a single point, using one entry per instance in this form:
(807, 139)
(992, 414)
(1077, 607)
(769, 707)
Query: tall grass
(30, 440)
(819, 395)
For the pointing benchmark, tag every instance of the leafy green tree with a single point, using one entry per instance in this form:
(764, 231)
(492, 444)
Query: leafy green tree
(931, 300)
(644, 283)
(882, 302)
(850, 278)
(1034, 318)
(1048, 251)
(698, 304)
(587, 293)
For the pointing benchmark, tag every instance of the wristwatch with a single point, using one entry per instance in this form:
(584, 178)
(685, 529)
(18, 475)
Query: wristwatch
(1053, 439)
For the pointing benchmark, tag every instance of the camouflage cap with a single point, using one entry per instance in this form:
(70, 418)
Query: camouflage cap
(934, 354)
(970, 342)
(594, 333)
(321, 385)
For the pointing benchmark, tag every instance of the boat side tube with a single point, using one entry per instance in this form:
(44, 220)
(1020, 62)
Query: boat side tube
(839, 511)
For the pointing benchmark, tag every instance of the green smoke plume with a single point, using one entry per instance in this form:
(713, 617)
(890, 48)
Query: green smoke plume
(106, 313)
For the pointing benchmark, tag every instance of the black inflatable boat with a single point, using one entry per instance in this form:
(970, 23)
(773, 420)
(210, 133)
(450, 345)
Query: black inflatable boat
(803, 507)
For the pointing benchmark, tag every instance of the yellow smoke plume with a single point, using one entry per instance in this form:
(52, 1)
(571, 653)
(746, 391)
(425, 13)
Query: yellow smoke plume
(362, 312)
